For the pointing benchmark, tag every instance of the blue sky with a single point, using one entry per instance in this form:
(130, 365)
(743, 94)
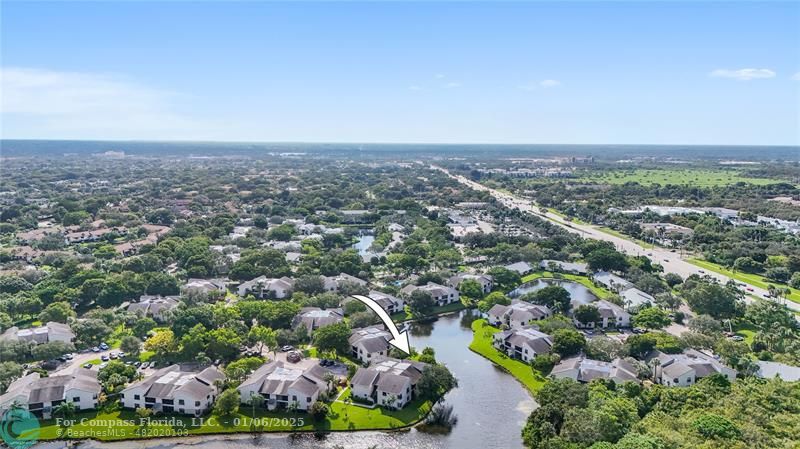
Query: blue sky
(616, 72)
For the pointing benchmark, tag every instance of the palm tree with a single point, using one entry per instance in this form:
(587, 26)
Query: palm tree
(65, 410)
(656, 363)
(329, 378)
(256, 400)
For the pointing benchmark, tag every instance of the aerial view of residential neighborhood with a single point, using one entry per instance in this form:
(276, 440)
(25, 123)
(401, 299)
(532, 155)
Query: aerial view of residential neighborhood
(307, 292)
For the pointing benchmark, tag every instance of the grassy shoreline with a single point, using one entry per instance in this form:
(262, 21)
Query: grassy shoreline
(124, 425)
(583, 280)
(521, 371)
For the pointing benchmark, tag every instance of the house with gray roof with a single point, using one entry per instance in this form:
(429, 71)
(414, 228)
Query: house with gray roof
(263, 287)
(523, 344)
(611, 281)
(581, 369)
(564, 267)
(685, 369)
(441, 295)
(518, 314)
(313, 318)
(370, 342)
(522, 268)
(283, 385)
(391, 304)
(42, 395)
(50, 332)
(484, 280)
(186, 389)
(335, 283)
(634, 299)
(611, 315)
(206, 286)
(156, 307)
(387, 382)
(770, 370)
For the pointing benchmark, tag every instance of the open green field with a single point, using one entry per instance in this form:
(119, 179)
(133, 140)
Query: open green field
(693, 177)
(583, 280)
(752, 279)
(126, 425)
(482, 345)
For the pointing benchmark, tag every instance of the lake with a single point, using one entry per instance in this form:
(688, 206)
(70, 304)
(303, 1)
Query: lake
(579, 294)
(491, 407)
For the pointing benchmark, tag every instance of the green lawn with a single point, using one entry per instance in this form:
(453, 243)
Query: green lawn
(752, 279)
(746, 331)
(125, 425)
(583, 280)
(482, 344)
(616, 233)
(698, 177)
(406, 315)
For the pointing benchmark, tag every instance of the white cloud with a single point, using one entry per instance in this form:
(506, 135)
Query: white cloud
(452, 85)
(796, 76)
(546, 84)
(550, 83)
(414, 87)
(439, 76)
(90, 105)
(743, 74)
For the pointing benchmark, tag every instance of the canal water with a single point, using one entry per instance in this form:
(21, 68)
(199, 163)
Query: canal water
(491, 407)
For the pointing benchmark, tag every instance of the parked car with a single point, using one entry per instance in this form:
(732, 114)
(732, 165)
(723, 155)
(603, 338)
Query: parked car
(287, 348)
(103, 365)
(294, 356)
(104, 358)
(137, 364)
(69, 356)
(144, 365)
(113, 355)
(95, 349)
(88, 365)
(737, 338)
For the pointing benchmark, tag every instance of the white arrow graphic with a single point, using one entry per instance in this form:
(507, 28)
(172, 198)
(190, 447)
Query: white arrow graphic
(399, 339)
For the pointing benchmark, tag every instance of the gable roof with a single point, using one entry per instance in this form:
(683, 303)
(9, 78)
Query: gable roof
(187, 378)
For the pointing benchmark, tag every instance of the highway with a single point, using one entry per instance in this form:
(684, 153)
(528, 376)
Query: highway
(672, 262)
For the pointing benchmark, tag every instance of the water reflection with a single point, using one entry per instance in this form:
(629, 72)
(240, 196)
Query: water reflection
(579, 294)
(491, 407)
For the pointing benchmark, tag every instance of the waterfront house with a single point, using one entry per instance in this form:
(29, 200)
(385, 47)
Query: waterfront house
(370, 342)
(42, 395)
(283, 386)
(484, 280)
(441, 295)
(523, 344)
(564, 267)
(185, 389)
(522, 268)
(611, 315)
(518, 314)
(387, 382)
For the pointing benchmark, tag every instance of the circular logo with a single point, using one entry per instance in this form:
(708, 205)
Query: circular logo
(19, 429)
